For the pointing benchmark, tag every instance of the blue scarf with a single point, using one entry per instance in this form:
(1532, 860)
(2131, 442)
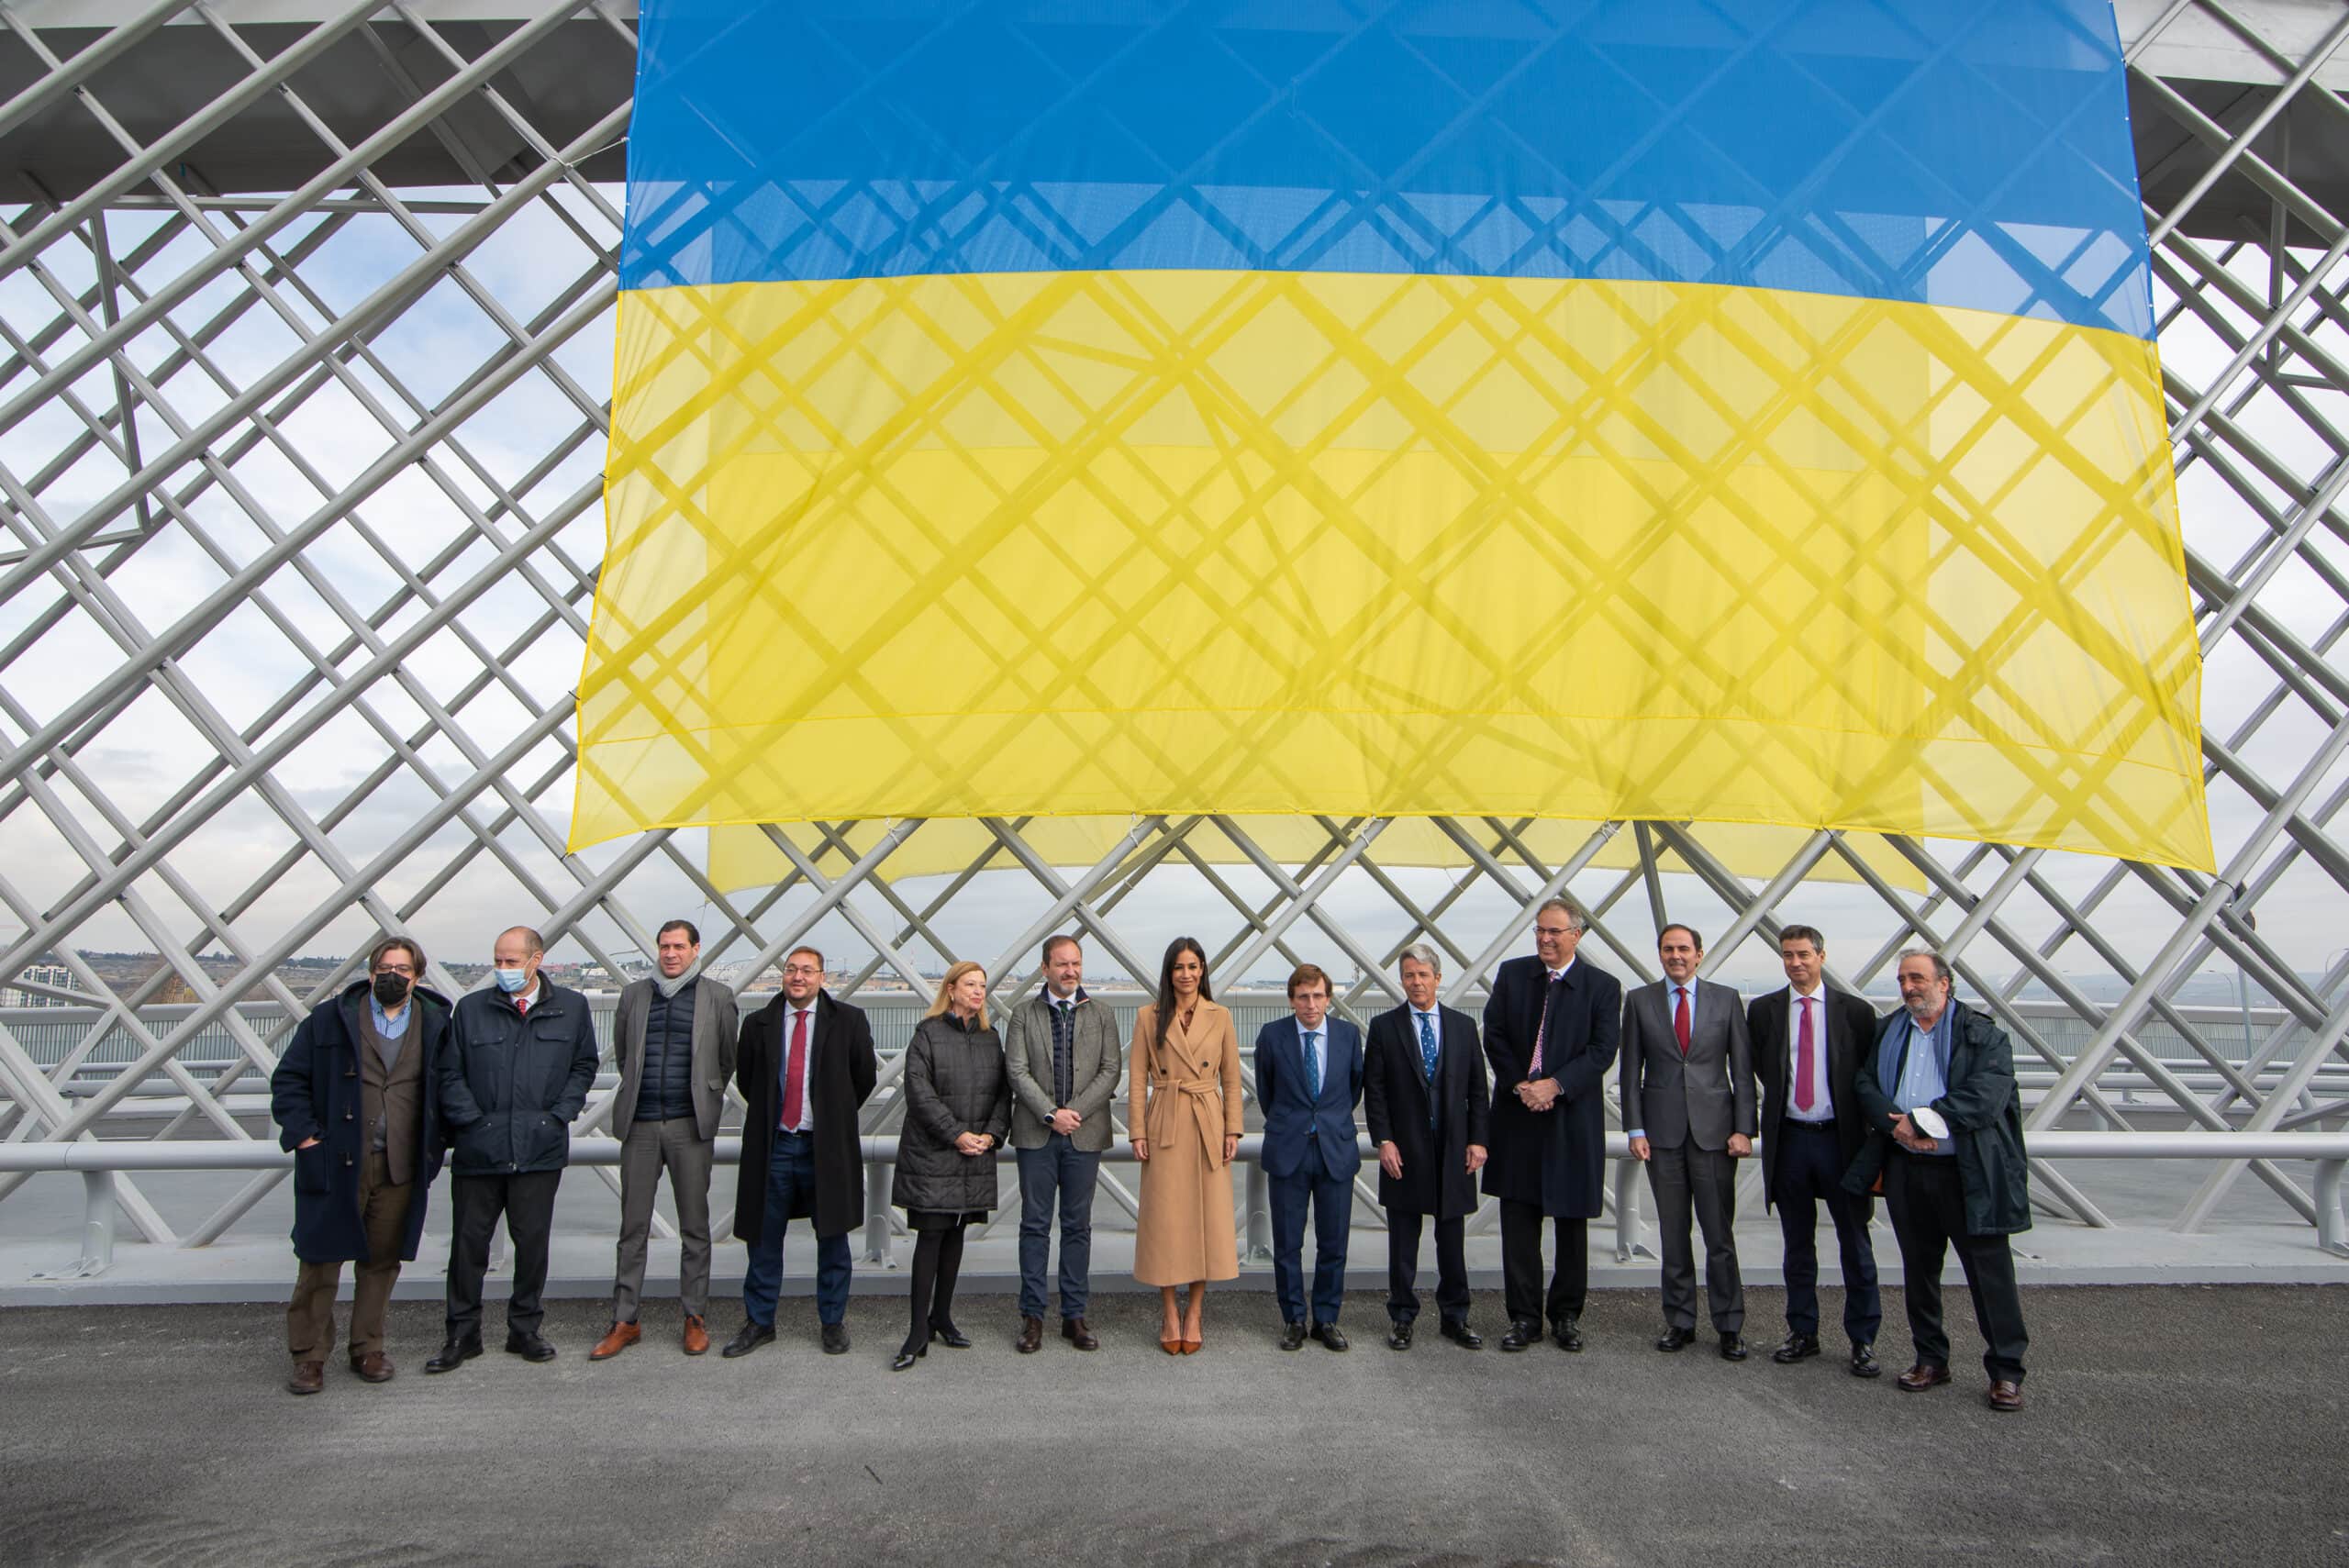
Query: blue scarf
(1893, 1047)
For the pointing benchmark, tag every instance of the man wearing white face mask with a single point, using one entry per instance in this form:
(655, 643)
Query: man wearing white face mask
(521, 1058)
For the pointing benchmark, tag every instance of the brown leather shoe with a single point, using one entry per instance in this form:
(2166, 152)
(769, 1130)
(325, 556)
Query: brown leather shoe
(1921, 1376)
(308, 1377)
(1031, 1336)
(1074, 1330)
(697, 1335)
(2005, 1397)
(621, 1337)
(373, 1367)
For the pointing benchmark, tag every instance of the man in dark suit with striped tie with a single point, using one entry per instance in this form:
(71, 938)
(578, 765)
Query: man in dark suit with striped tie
(1425, 1097)
(1808, 1041)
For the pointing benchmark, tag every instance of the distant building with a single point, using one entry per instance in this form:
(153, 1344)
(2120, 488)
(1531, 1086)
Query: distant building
(55, 975)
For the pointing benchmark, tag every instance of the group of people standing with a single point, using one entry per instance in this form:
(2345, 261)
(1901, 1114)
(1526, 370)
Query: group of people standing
(381, 1081)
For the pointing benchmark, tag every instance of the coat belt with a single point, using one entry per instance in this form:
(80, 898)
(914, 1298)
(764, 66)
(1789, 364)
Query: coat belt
(1205, 1095)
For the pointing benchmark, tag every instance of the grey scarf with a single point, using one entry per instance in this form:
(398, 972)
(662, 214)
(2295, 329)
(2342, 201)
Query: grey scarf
(669, 988)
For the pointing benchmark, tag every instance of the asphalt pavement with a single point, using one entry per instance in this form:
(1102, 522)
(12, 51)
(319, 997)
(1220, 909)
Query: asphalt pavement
(2180, 1426)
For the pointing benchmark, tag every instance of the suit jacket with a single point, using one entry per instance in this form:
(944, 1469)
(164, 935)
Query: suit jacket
(1556, 1157)
(716, 1037)
(845, 1071)
(1701, 1098)
(1296, 1122)
(1849, 1025)
(1096, 1058)
(1396, 1100)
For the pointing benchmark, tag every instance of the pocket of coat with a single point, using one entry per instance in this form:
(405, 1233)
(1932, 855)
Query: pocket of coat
(547, 1139)
(310, 1169)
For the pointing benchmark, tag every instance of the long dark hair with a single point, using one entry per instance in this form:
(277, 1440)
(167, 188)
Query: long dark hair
(1175, 950)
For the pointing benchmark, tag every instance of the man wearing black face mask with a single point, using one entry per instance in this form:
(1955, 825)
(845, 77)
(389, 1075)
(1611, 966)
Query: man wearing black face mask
(352, 1098)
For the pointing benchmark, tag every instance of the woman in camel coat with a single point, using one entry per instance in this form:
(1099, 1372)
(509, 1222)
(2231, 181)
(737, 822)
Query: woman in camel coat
(1183, 1118)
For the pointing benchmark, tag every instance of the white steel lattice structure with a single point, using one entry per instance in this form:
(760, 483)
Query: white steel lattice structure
(307, 312)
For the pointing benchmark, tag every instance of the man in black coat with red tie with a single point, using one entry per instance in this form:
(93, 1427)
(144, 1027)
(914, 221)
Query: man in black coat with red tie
(1425, 1098)
(1808, 1041)
(1551, 1029)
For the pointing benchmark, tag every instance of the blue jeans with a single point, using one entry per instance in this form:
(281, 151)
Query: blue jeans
(1332, 1198)
(1058, 1172)
(791, 1169)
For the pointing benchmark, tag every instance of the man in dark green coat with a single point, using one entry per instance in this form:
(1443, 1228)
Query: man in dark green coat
(1946, 1134)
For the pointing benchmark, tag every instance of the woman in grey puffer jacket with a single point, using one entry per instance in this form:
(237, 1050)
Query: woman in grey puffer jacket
(958, 1109)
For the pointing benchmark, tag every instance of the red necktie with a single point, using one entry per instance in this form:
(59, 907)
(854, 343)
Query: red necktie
(795, 1072)
(1806, 1058)
(1680, 1018)
(521, 1004)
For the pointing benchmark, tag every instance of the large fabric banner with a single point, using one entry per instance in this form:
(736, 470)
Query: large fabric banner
(1739, 412)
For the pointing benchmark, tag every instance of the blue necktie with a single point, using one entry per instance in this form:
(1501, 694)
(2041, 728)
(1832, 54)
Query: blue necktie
(1427, 1062)
(1312, 1066)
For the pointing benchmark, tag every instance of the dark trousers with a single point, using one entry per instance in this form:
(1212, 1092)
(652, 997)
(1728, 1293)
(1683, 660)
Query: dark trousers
(309, 1317)
(1332, 1198)
(1521, 1264)
(1704, 1180)
(475, 1202)
(1806, 1171)
(791, 1169)
(937, 1263)
(675, 1145)
(1926, 1197)
(1451, 1265)
(1059, 1176)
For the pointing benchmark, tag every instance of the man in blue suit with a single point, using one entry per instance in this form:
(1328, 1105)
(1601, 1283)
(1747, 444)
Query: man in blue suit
(1308, 1080)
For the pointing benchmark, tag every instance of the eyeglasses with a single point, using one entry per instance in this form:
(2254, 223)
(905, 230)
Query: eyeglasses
(1554, 931)
(396, 969)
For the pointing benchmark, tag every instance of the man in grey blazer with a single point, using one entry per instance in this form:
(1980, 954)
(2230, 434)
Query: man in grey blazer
(1688, 1097)
(1061, 1047)
(673, 1037)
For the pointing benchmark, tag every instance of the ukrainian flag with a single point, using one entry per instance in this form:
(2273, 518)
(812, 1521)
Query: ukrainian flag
(1734, 411)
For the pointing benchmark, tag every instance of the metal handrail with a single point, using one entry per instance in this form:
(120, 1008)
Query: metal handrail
(98, 1161)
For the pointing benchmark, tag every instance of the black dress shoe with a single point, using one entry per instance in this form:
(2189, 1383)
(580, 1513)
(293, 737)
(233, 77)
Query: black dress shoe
(1677, 1339)
(1733, 1347)
(1031, 1336)
(1521, 1333)
(531, 1347)
(453, 1354)
(1460, 1334)
(954, 1339)
(1864, 1362)
(1798, 1346)
(1330, 1335)
(906, 1357)
(836, 1339)
(1399, 1336)
(1292, 1336)
(753, 1335)
(1567, 1332)
(1074, 1330)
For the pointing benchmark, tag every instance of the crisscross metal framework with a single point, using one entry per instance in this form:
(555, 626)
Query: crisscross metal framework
(304, 333)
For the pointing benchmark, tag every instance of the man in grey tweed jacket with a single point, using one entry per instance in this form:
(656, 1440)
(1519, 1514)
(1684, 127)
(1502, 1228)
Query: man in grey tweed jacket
(1062, 1047)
